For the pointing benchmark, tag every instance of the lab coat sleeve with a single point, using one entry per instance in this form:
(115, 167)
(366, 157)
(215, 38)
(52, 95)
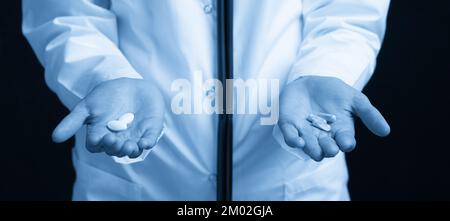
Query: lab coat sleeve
(77, 43)
(341, 38)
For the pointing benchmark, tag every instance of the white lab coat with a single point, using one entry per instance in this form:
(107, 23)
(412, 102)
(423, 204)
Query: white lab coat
(84, 42)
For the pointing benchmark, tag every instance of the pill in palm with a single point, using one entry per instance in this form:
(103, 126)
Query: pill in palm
(330, 118)
(122, 123)
(314, 118)
(116, 125)
(127, 118)
(319, 122)
(321, 125)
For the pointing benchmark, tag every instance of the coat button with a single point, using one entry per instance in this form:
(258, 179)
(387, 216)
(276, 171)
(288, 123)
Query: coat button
(208, 8)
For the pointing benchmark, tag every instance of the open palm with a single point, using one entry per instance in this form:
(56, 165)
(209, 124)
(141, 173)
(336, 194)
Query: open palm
(312, 95)
(108, 101)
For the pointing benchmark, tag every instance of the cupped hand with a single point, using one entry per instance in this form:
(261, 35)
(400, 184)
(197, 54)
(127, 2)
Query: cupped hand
(109, 101)
(313, 95)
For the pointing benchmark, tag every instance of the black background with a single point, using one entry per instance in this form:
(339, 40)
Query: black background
(410, 87)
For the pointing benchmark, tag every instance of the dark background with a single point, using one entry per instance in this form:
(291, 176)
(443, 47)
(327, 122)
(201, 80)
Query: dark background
(410, 86)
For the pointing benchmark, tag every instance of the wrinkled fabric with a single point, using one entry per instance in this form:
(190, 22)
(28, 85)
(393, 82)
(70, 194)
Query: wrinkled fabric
(82, 43)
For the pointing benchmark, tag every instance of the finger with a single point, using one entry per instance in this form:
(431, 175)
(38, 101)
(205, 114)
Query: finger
(129, 147)
(291, 136)
(93, 143)
(345, 139)
(71, 123)
(148, 140)
(150, 129)
(329, 146)
(108, 142)
(111, 144)
(312, 147)
(146, 144)
(118, 145)
(344, 133)
(370, 116)
(119, 154)
(95, 134)
(136, 153)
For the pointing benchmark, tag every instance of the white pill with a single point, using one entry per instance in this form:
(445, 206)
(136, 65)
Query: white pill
(321, 125)
(127, 118)
(314, 118)
(116, 125)
(330, 118)
(319, 122)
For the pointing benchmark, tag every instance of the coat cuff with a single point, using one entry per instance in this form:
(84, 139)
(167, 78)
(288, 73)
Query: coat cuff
(353, 70)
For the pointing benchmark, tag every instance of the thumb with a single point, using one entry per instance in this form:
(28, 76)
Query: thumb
(71, 123)
(370, 116)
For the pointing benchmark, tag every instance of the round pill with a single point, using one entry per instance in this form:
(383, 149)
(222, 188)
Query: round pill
(127, 118)
(116, 125)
